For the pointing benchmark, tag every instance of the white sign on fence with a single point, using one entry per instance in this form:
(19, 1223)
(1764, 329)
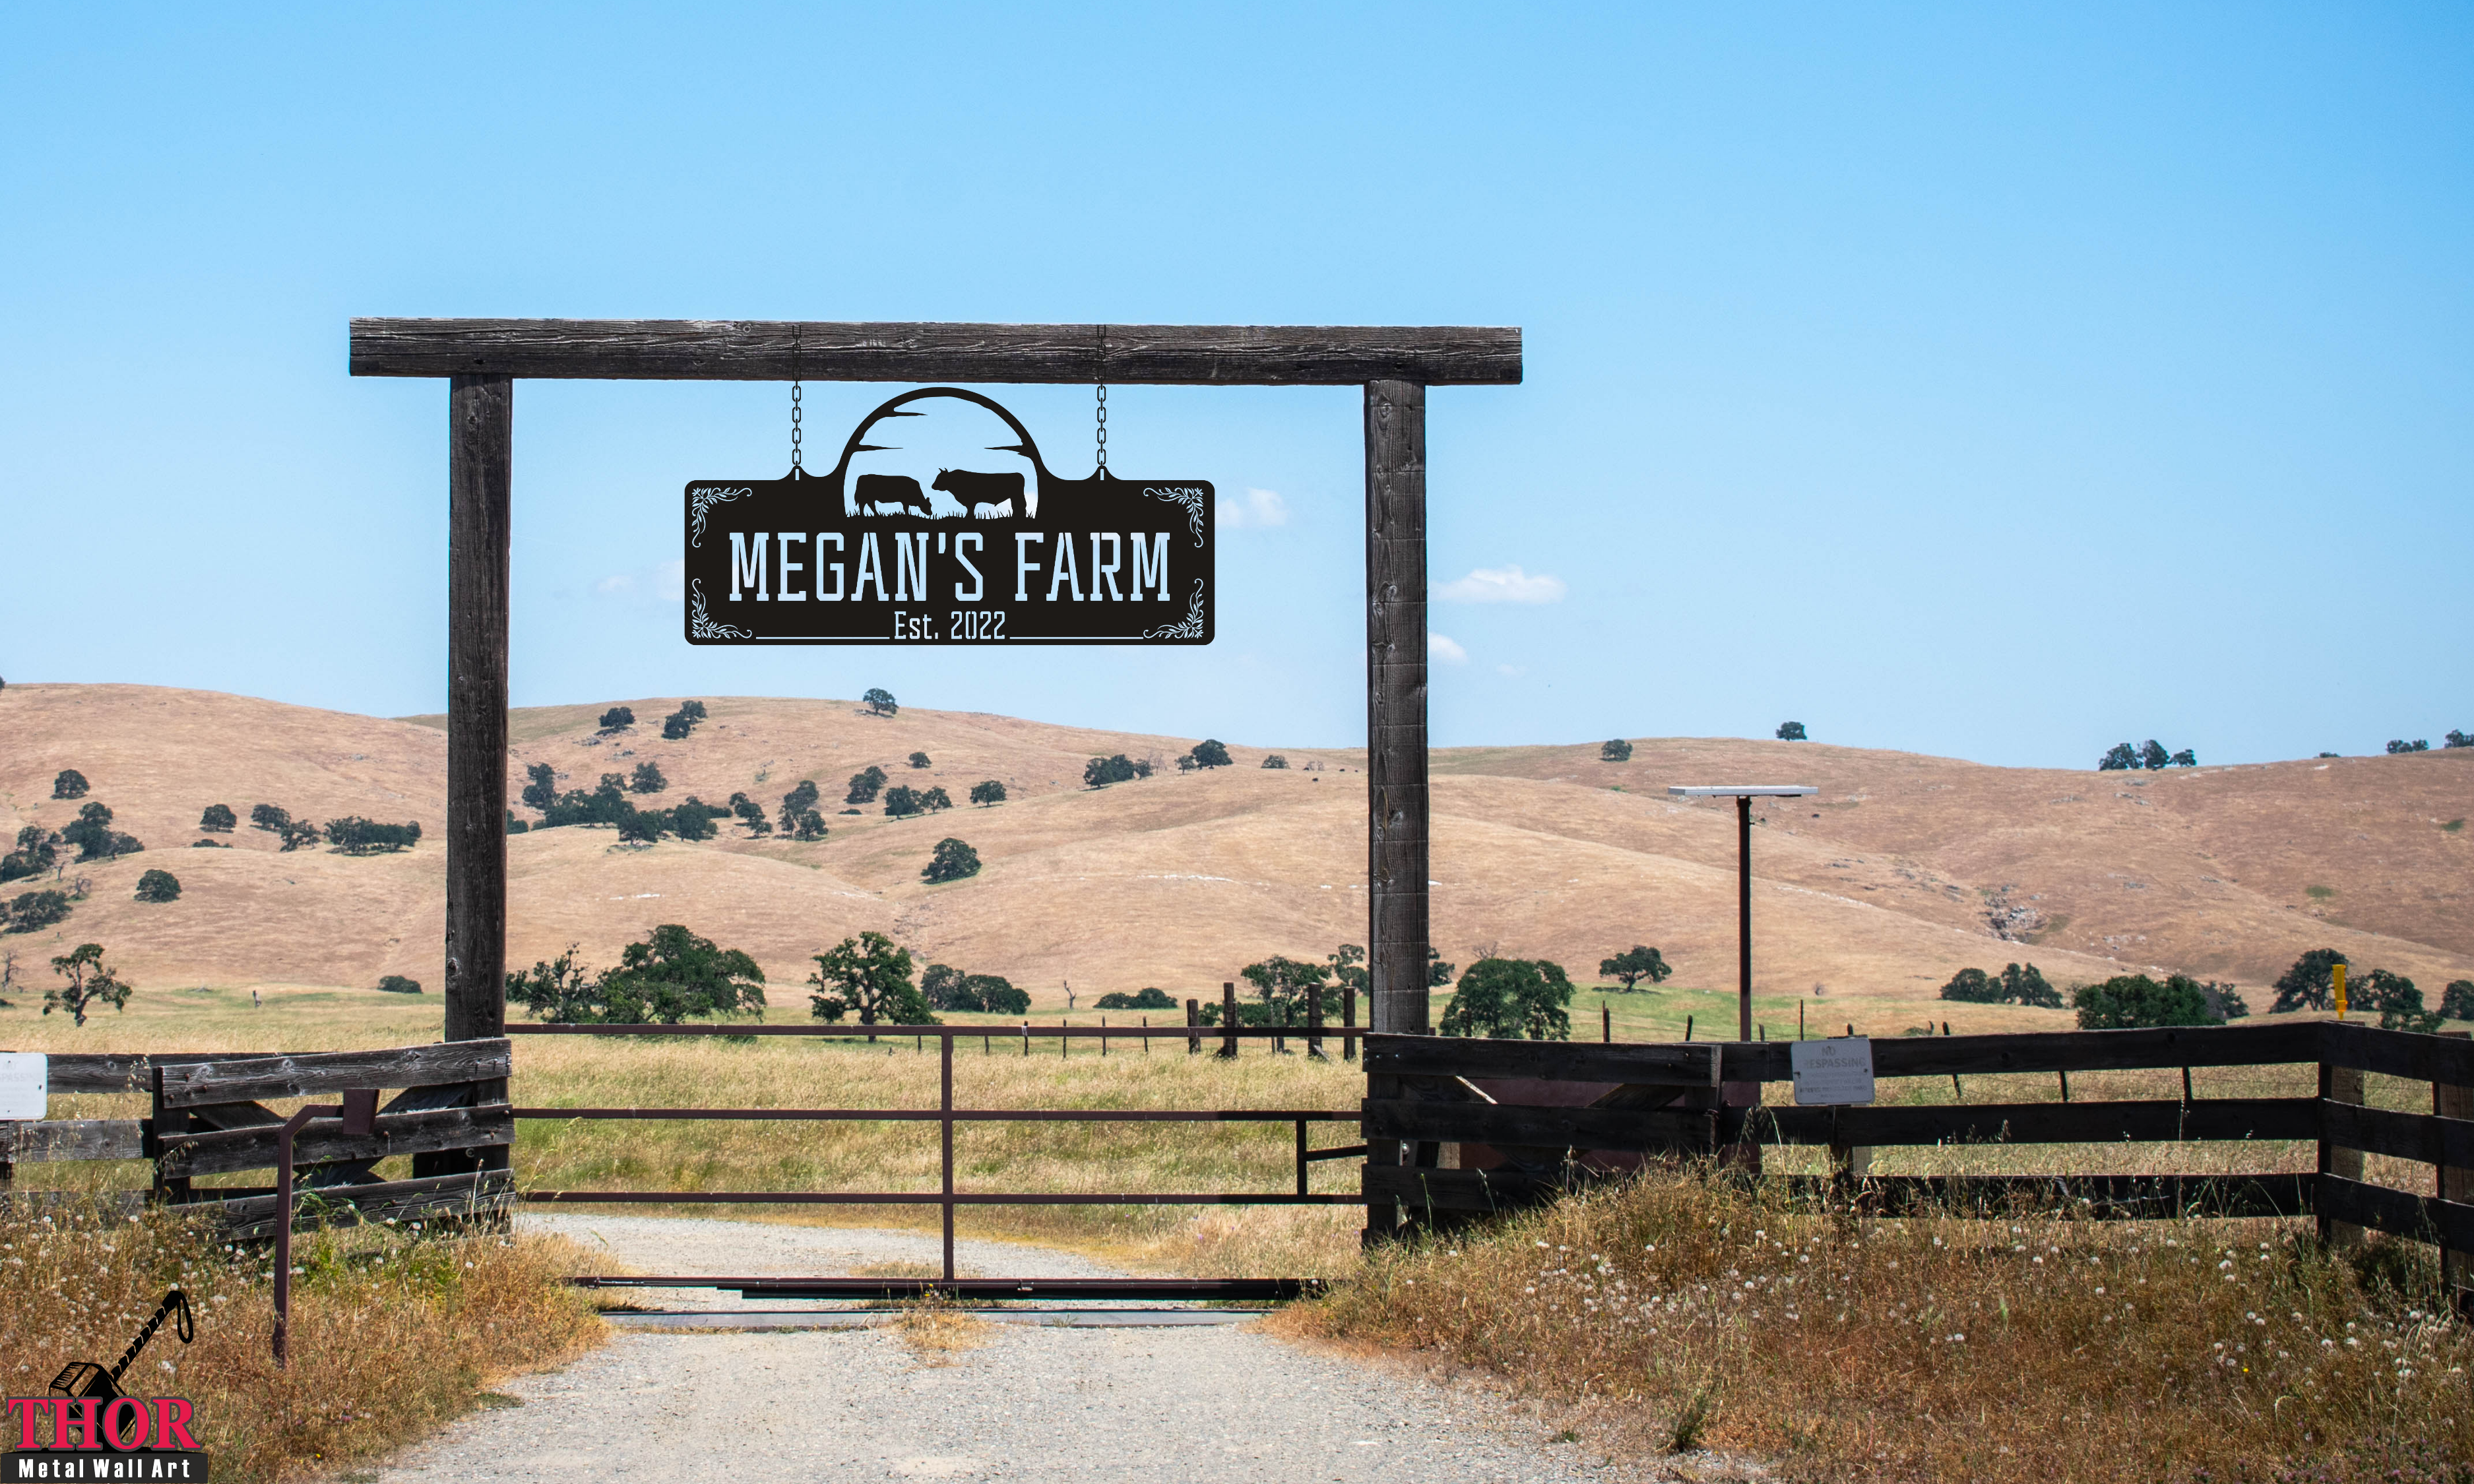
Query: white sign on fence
(1831, 1071)
(25, 1084)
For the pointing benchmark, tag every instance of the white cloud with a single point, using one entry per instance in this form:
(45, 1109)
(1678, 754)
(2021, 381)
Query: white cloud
(617, 582)
(670, 580)
(1439, 646)
(1502, 584)
(1256, 508)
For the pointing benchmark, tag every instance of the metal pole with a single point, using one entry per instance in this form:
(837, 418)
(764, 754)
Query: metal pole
(946, 1041)
(1744, 916)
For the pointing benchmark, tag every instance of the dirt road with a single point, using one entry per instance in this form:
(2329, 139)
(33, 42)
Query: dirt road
(1218, 1402)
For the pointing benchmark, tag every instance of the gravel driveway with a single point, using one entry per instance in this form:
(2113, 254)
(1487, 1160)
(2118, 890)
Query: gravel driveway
(1218, 1403)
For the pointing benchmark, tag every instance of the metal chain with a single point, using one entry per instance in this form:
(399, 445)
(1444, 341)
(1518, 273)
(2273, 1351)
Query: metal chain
(795, 470)
(1103, 386)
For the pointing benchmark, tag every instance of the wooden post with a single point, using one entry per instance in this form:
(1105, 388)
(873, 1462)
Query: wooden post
(1744, 917)
(1606, 1023)
(479, 458)
(1314, 1027)
(2456, 1183)
(2340, 1085)
(1348, 1022)
(1193, 1019)
(1228, 1020)
(1396, 706)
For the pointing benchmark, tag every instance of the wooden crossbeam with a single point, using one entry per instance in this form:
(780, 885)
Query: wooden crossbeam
(825, 350)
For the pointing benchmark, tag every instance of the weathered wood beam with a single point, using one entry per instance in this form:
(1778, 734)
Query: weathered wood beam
(485, 1194)
(779, 350)
(1396, 706)
(225, 1151)
(312, 1074)
(480, 456)
(72, 1139)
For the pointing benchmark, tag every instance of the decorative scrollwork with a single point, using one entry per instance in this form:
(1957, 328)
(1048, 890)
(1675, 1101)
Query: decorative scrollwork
(1188, 496)
(700, 497)
(1191, 627)
(703, 627)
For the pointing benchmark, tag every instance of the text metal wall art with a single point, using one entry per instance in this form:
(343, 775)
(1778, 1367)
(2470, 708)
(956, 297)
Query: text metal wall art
(941, 524)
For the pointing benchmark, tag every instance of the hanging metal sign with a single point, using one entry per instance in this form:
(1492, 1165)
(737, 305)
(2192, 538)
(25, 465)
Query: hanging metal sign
(941, 525)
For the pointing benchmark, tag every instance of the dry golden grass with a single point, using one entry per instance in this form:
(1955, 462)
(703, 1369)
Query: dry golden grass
(1684, 1312)
(935, 1332)
(393, 1331)
(1180, 880)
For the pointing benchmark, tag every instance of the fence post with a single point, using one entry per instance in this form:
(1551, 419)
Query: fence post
(945, 1046)
(1193, 1019)
(2338, 1085)
(1228, 1020)
(173, 1121)
(2456, 1183)
(1348, 1022)
(1314, 1034)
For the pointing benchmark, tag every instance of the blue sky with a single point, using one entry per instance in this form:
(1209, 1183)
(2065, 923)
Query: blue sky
(2001, 382)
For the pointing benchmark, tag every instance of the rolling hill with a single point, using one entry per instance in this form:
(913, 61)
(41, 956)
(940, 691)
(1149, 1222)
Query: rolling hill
(1901, 870)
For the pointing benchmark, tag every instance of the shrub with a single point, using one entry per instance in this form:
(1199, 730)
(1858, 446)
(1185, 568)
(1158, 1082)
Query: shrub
(865, 785)
(2130, 1001)
(398, 984)
(647, 779)
(617, 717)
(1101, 772)
(158, 886)
(662, 980)
(643, 826)
(953, 861)
(1146, 999)
(218, 820)
(1791, 732)
(2014, 985)
(34, 911)
(920, 761)
(1510, 999)
(541, 788)
(70, 784)
(988, 793)
(676, 725)
(997, 995)
(1614, 750)
(220, 845)
(269, 818)
(1274, 761)
(902, 801)
(354, 835)
(689, 822)
(880, 702)
(2457, 739)
(1636, 964)
(89, 984)
(2457, 1001)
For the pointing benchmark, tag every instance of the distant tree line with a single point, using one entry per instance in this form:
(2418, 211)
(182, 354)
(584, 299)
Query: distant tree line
(2014, 985)
(669, 976)
(2122, 757)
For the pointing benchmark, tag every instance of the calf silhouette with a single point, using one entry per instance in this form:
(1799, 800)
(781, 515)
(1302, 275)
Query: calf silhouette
(900, 489)
(973, 489)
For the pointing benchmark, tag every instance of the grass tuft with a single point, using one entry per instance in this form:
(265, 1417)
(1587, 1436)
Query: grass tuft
(393, 1332)
(2027, 1347)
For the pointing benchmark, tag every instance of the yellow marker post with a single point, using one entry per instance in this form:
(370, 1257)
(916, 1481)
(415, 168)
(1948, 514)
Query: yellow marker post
(2337, 977)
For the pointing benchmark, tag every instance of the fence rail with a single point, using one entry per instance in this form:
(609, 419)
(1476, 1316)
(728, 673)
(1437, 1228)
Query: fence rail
(208, 1118)
(1527, 1122)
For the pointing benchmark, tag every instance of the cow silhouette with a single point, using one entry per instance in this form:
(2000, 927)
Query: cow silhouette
(975, 490)
(897, 489)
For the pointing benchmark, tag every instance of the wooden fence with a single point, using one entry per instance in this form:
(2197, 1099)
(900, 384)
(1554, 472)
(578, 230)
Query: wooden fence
(209, 1118)
(1456, 1128)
